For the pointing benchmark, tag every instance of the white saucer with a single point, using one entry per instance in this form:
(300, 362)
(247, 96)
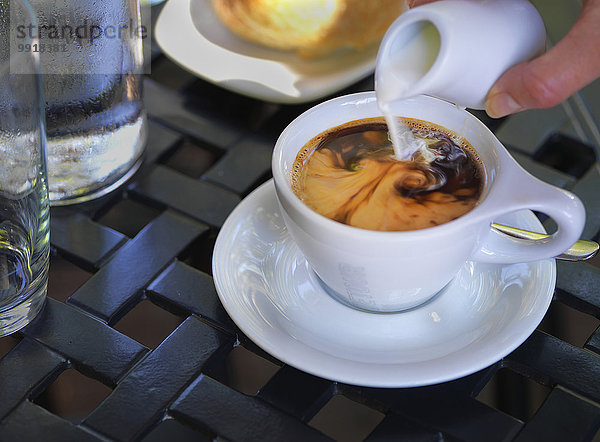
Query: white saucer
(190, 33)
(273, 296)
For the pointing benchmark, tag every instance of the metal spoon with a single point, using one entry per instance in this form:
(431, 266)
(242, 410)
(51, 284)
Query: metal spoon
(580, 251)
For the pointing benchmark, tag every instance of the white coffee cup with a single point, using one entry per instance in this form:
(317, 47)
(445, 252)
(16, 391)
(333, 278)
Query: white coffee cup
(392, 271)
(457, 49)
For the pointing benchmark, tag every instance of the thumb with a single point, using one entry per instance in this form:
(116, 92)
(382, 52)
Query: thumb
(548, 80)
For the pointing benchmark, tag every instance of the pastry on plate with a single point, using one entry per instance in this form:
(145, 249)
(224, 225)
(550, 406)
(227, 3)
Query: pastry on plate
(312, 28)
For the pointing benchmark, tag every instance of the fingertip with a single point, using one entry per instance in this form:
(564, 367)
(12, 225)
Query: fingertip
(500, 104)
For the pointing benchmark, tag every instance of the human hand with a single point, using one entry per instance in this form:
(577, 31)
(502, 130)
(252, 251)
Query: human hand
(551, 78)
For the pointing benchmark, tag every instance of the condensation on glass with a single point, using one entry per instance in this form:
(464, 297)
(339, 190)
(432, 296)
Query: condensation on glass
(92, 58)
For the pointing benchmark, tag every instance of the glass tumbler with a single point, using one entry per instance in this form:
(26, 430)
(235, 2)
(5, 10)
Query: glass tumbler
(24, 225)
(91, 60)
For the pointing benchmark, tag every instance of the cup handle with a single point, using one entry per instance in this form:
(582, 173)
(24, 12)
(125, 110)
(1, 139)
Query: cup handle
(527, 192)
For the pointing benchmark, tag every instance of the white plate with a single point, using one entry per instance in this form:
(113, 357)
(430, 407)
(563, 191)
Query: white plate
(190, 33)
(270, 292)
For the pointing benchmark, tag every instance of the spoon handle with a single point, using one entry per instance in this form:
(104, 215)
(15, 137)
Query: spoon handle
(580, 251)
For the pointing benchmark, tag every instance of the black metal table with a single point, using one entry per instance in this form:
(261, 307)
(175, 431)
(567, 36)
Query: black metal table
(134, 344)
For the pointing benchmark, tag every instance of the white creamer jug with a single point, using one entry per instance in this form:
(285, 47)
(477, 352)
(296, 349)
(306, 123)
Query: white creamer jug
(456, 49)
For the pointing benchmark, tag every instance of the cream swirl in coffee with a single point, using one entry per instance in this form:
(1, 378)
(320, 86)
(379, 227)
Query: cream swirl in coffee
(350, 174)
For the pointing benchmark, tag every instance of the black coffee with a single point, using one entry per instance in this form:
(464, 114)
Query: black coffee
(350, 174)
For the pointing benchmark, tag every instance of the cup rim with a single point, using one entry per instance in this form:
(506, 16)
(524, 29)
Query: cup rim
(478, 213)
